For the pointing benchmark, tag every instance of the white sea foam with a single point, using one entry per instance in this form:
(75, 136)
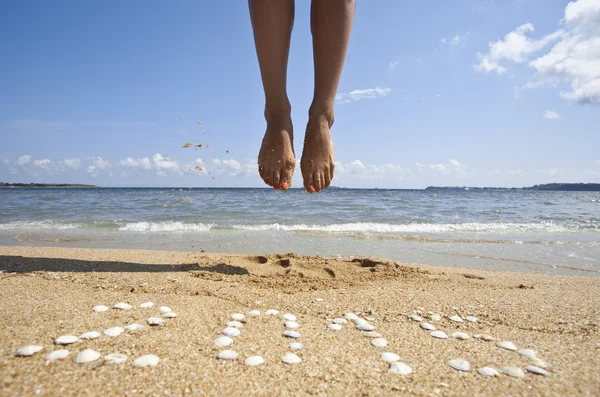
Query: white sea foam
(169, 226)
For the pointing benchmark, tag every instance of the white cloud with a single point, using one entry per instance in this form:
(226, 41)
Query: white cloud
(233, 167)
(574, 59)
(549, 114)
(72, 163)
(44, 164)
(25, 159)
(452, 168)
(392, 66)
(137, 163)
(5, 161)
(163, 164)
(92, 170)
(100, 163)
(368, 93)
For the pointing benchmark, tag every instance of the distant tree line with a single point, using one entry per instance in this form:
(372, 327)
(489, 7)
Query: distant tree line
(574, 187)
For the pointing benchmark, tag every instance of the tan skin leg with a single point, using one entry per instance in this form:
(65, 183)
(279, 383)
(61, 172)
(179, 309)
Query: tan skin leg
(331, 24)
(272, 22)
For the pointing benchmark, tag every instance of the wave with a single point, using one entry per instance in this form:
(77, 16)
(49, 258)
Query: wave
(38, 225)
(168, 226)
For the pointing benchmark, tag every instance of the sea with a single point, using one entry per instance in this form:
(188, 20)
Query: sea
(516, 230)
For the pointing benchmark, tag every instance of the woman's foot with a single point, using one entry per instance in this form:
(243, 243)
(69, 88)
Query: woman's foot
(276, 159)
(317, 157)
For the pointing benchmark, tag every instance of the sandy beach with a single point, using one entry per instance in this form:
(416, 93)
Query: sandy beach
(48, 292)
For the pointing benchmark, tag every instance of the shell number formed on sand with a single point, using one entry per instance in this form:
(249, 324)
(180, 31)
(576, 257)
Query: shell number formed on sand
(487, 371)
(335, 327)
(340, 321)
(170, 315)
(513, 371)
(165, 309)
(115, 358)
(271, 312)
(379, 342)
(439, 334)
(237, 316)
(416, 318)
(427, 326)
(527, 353)
(149, 360)
(400, 368)
(254, 313)
(484, 337)
(372, 334)
(507, 345)
(390, 357)
(291, 358)
(537, 370)
(100, 308)
(460, 365)
(471, 319)
(28, 350)
(365, 327)
(456, 318)
(114, 331)
(66, 340)
(134, 327)
(155, 321)
(538, 363)
(58, 355)
(223, 341)
(231, 332)
(460, 335)
(254, 361)
(122, 306)
(86, 356)
(227, 355)
(146, 305)
(350, 316)
(296, 346)
(291, 324)
(288, 317)
(90, 335)
(291, 334)
(235, 324)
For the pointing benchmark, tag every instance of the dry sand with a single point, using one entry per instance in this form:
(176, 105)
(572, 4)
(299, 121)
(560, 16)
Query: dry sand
(47, 292)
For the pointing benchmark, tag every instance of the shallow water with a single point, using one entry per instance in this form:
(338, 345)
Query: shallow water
(553, 232)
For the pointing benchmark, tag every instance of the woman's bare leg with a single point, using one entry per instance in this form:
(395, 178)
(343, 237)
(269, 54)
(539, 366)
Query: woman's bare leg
(272, 22)
(331, 23)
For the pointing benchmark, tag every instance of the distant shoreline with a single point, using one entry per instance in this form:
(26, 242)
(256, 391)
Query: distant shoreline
(46, 185)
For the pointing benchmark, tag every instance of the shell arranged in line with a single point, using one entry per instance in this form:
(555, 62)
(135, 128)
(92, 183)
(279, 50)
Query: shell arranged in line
(90, 335)
(400, 368)
(291, 334)
(146, 305)
(460, 365)
(100, 308)
(114, 331)
(155, 321)
(484, 337)
(27, 351)
(227, 355)
(436, 317)
(149, 360)
(427, 326)
(372, 334)
(170, 315)
(365, 327)
(538, 363)
(527, 353)
(115, 358)
(340, 321)
(237, 316)
(58, 355)
(134, 327)
(122, 306)
(254, 313)
(296, 346)
(390, 357)
(379, 342)
(271, 312)
(288, 317)
(223, 341)
(335, 327)
(66, 340)
(235, 324)
(439, 334)
(507, 345)
(165, 309)
(414, 317)
(254, 361)
(471, 319)
(488, 371)
(537, 370)
(86, 356)
(513, 371)
(460, 335)
(231, 332)
(291, 324)
(456, 318)
(350, 316)
(291, 358)
(360, 321)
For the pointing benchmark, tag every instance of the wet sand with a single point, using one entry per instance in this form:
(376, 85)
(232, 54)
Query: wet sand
(48, 292)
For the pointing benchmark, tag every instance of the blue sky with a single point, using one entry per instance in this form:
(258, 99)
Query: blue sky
(468, 92)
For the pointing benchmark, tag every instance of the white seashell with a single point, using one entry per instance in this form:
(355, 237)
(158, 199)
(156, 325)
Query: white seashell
(86, 356)
(379, 342)
(291, 324)
(538, 363)
(335, 327)
(66, 340)
(271, 312)
(350, 316)
(288, 317)
(237, 316)
(292, 334)
(372, 334)
(537, 370)
(365, 327)
(527, 353)
(296, 346)
(170, 315)
(390, 357)
(414, 317)
(134, 327)
(436, 317)
(149, 360)
(427, 326)
(456, 318)
(439, 334)
(471, 319)
(122, 306)
(460, 335)
(100, 308)
(460, 365)
(254, 360)
(291, 358)
(223, 341)
(235, 324)
(340, 321)
(370, 318)
(231, 332)
(507, 345)
(319, 299)
(90, 335)
(360, 321)
(227, 355)
(485, 337)
(487, 371)
(146, 305)
(400, 368)
(513, 371)
(114, 331)
(115, 358)
(58, 355)
(28, 350)
(165, 309)
(254, 313)
(154, 321)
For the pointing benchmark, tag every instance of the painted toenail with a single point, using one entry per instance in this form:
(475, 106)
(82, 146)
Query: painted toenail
(311, 188)
(284, 185)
